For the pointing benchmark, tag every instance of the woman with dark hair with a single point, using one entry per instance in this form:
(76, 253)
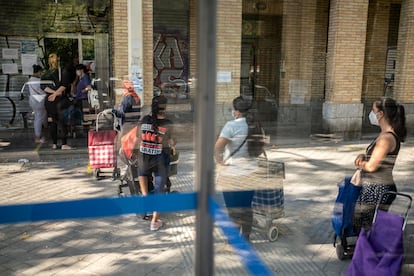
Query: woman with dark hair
(235, 171)
(83, 87)
(378, 162)
(156, 143)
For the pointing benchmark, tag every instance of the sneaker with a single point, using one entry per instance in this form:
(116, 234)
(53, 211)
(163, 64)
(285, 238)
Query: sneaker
(156, 225)
(66, 147)
(146, 217)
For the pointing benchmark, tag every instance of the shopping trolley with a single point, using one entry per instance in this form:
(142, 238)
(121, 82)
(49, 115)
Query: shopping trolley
(268, 202)
(102, 144)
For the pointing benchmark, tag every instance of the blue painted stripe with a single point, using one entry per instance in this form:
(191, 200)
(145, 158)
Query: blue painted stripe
(97, 207)
(250, 259)
(114, 206)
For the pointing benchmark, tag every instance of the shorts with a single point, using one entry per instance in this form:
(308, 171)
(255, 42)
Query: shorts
(154, 166)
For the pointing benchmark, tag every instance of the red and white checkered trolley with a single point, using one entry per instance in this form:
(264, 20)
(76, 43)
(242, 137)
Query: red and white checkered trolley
(102, 146)
(268, 201)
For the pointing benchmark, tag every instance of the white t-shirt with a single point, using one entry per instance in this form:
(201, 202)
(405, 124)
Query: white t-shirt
(37, 95)
(240, 163)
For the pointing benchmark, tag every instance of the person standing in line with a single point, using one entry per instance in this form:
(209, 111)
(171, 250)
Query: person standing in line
(130, 101)
(378, 162)
(235, 166)
(37, 103)
(54, 72)
(83, 87)
(156, 143)
(57, 102)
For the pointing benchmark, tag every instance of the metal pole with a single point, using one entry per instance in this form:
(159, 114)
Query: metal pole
(205, 128)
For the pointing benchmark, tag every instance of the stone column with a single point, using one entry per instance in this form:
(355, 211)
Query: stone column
(302, 65)
(229, 25)
(376, 50)
(148, 51)
(404, 75)
(342, 110)
(119, 43)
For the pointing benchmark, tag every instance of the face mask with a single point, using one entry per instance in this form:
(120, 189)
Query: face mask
(78, 73)
(373, 118)
(233, 114)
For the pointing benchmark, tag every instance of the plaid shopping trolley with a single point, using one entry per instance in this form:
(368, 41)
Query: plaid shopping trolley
(102, 149)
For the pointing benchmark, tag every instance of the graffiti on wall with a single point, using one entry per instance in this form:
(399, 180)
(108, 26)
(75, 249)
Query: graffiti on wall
(170, 65)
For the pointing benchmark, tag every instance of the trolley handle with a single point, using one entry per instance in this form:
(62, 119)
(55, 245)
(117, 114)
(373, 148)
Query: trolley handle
(410, 200)
(102, 113)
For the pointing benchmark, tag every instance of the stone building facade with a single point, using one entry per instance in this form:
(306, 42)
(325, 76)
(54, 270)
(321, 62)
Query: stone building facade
(323, 62)
(310, 66)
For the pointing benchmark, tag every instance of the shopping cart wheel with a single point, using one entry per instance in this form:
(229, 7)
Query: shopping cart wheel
(96, 173)
(273, 233)
(340, 252)
(116, 173)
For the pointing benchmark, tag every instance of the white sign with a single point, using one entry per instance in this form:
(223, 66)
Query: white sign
(297, 98)
(297, 90)
(9, 68)
(10, 53)
(223, 76)
(28, 60)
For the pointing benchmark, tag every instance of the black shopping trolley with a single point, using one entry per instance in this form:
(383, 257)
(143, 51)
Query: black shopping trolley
(268, 203)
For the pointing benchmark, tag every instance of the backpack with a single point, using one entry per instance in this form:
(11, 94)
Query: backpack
(255, 138)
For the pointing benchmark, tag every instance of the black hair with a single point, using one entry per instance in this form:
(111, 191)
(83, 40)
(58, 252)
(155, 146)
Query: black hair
(394, 113)
(82, 67)
(158, 106)
(69, 73)
(37, 68)
(241, 105)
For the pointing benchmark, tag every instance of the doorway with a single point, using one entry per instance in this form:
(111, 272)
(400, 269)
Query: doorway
(260, 68)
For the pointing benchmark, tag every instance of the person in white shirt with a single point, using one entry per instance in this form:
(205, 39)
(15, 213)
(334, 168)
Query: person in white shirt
(37, 103)
(236, 167)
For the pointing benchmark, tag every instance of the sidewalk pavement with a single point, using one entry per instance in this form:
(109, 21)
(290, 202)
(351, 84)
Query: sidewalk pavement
(124, 245)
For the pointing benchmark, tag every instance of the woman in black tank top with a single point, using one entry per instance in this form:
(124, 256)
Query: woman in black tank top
(378, 162)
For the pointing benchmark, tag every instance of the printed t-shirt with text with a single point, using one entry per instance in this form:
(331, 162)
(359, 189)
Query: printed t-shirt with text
(154, 140)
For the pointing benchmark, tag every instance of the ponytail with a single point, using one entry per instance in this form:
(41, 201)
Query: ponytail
(395, 114)
(399, 123)
(157, 106)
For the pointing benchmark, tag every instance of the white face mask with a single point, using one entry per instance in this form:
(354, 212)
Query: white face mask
(233, 114)
(373, 118)
(78, 72)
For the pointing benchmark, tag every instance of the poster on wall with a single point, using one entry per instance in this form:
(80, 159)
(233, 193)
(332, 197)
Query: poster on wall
(10, 53)
(223, 76)
(28, 47)
(297, 90)
(9, 68)
(90, 64)
(28, 60)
